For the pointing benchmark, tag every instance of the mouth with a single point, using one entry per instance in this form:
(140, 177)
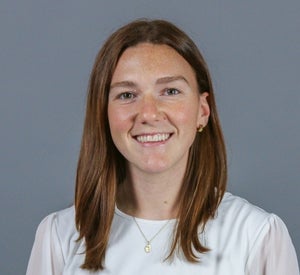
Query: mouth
(153, 138)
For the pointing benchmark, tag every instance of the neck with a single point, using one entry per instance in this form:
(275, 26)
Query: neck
(150, 196)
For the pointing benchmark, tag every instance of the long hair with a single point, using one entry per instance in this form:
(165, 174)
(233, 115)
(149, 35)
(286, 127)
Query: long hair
(101, 168)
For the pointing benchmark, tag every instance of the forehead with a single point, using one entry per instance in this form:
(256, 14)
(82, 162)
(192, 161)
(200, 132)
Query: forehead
(147, 58)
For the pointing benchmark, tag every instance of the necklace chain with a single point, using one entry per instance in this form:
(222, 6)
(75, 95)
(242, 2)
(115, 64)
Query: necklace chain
(148, 247)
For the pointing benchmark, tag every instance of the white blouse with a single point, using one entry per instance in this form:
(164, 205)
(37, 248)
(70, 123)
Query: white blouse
(243, 239)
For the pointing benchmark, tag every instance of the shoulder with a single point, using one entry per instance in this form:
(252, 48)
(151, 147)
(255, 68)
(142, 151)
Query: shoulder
(237, 209)
(55, 241)
(261, 237)
(249, 238)
(59, 228)
(249, 224)
(63, 219)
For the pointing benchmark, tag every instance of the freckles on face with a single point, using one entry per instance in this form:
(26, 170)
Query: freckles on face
(154, 107)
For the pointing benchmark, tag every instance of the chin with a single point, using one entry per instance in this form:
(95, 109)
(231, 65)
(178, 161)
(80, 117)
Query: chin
(154, 169)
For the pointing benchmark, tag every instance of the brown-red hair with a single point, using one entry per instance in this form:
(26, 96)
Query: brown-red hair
(101, 167)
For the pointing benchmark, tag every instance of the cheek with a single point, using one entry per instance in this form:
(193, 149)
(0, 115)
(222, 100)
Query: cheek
(186, 114)
(118, 120)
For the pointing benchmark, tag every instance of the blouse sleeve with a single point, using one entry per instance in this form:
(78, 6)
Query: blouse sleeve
(46, 256)
(273, 252)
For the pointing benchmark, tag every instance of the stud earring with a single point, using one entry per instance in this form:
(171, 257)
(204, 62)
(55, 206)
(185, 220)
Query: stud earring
(200, 128)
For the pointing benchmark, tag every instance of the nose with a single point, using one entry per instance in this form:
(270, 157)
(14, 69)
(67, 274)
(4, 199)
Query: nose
(149, 109)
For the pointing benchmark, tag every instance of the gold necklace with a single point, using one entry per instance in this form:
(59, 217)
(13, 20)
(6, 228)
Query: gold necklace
(148, 247)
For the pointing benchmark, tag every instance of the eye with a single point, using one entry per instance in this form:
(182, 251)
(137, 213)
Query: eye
(172, 91)
(126, 96)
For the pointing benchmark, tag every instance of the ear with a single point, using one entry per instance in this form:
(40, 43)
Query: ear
(204, 110)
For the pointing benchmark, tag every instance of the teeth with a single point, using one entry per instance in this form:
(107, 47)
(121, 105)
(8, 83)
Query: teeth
(153, 138)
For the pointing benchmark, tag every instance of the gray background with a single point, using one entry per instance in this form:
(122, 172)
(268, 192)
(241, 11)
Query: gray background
(47, 50)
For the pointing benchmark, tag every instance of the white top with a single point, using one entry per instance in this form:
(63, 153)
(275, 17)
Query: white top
(243, 239)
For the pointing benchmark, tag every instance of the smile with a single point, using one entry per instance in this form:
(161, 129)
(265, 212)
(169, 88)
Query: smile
(153, 138)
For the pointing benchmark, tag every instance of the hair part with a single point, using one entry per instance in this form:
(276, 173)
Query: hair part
(101, 168)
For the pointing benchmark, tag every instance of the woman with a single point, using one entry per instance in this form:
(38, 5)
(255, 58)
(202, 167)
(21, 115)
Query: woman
(151, 178)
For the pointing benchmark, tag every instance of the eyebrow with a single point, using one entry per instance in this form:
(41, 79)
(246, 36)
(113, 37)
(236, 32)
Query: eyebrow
(168, 79)
(127, 84)
(162, 80)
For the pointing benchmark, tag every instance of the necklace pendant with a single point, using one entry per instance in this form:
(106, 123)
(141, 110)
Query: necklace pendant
(147, 248)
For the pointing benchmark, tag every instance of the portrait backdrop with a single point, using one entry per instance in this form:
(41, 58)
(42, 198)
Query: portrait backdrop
(47, 51)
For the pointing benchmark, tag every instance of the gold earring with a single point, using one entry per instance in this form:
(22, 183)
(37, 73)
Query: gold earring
(200, 129)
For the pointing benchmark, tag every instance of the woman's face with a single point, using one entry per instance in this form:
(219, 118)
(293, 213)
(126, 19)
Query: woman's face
(154, 108)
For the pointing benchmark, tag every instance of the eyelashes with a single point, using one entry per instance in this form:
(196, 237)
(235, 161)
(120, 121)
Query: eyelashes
(126, 96)
(171, 91)
(131, 95)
